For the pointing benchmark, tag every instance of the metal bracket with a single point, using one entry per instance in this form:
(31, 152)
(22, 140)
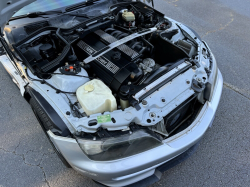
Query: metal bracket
(161, 128)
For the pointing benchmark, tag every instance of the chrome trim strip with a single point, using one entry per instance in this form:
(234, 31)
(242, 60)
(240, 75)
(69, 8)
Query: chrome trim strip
(118, 43)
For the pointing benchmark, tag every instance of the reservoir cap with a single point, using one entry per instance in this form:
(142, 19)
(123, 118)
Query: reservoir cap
(89, 88)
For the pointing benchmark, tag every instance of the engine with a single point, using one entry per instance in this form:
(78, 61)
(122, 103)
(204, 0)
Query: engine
(118, 66)
(125, 69)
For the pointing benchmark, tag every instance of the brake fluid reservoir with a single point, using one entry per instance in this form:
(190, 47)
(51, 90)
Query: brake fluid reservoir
(95, 97)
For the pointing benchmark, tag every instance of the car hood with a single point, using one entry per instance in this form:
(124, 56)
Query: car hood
(8, 8)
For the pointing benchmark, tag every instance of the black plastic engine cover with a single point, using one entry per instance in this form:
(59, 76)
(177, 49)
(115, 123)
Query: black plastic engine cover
(112, 68)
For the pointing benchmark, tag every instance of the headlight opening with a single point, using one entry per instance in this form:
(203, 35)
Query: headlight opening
(119, 147)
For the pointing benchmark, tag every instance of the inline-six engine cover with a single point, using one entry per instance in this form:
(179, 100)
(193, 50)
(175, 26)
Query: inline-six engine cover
(117, 66)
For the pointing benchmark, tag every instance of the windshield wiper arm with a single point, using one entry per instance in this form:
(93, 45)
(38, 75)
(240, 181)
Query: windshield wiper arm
(35, 15)
(40, 14)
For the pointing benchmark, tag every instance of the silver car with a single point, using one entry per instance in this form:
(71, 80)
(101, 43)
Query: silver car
(122, 91)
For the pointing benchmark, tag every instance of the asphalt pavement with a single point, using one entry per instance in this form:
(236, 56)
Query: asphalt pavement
(223, 157)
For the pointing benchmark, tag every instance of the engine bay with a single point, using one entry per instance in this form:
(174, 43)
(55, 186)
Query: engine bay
(111, 58)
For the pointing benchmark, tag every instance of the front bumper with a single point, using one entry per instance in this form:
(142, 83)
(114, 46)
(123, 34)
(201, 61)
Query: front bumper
(138, 167)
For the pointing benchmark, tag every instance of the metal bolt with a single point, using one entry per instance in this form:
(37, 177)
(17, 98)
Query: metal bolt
(199, 79)
(144, 102)
(152, 115)
(163, 100)
(68, 113)
(187, 81)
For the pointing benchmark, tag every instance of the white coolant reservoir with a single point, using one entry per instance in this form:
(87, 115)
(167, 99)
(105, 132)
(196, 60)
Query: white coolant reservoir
(95, 97)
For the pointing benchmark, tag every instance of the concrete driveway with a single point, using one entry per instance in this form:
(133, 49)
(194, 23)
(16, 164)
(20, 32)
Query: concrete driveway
(223, 157)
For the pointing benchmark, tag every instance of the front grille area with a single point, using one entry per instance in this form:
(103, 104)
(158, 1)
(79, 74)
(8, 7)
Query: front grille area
(180, 118)
(181, 114)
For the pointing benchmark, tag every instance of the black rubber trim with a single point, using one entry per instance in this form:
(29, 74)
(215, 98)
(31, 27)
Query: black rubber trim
(195, 33)
(56, 120)
(207, 91)
(47, 67)
(44, 120)
(49, 28)
(188, 36)
(164, 82)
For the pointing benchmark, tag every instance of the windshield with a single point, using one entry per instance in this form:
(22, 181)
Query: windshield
(46, 5)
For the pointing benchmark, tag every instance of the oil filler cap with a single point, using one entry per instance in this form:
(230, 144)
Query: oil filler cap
(89, 88)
